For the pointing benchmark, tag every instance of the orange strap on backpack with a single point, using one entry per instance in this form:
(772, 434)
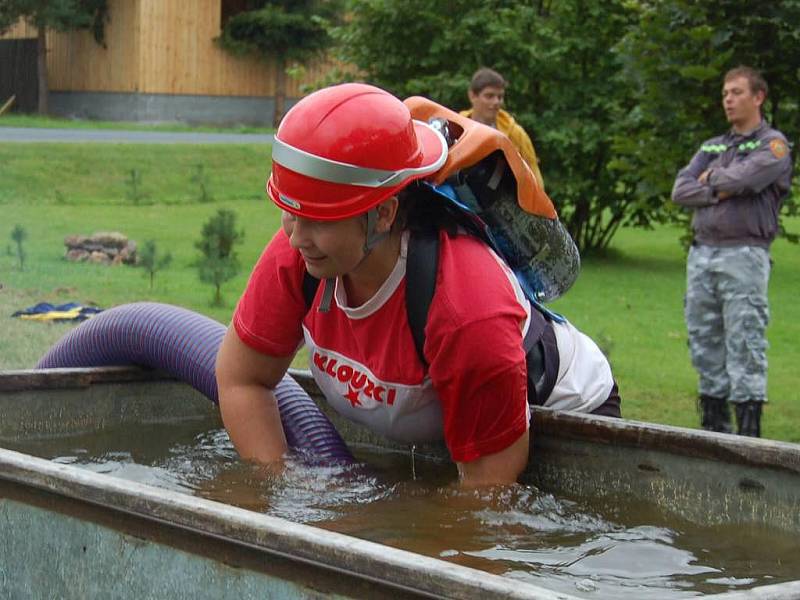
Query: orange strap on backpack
(476, 141)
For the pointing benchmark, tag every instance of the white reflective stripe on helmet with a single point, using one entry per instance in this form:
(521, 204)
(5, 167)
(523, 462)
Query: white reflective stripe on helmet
(324, 169)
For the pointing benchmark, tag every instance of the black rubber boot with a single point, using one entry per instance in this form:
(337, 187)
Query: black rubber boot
(748, 418)
(715, 415)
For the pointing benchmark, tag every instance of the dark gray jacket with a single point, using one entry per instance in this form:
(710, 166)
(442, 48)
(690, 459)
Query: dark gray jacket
(755, 169)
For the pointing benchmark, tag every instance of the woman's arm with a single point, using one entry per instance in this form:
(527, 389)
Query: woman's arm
(245, 379)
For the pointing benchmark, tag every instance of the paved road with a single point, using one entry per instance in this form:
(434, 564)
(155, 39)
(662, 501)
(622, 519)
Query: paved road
(33, 134)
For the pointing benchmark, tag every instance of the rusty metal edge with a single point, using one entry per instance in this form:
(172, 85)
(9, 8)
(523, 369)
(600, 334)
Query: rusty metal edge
(71, 378)
(682, 441)
(755, 452)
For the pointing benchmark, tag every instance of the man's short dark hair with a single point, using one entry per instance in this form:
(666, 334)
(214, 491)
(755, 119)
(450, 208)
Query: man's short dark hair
(485, 77)
(753, 76)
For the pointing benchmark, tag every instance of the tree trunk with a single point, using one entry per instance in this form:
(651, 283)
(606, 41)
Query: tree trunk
(41, 67)
(280, 90)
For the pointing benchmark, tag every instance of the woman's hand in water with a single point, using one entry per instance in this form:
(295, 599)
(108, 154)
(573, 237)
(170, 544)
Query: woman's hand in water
(245, 379)
(502, 467)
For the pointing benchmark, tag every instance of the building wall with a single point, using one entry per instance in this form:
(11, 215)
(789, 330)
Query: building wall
(154, 108)
(159, 47)
(76, 62)
(178, 55)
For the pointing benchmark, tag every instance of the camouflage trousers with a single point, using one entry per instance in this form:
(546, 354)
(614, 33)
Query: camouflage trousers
(726, 316)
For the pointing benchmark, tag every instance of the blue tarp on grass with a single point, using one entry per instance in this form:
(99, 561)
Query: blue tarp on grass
(44, 311)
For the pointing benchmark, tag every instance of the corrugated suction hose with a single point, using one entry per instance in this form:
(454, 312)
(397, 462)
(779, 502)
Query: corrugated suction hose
(185, 344)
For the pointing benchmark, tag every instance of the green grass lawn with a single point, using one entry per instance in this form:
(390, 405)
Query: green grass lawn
(630, 301)
(79, 175)
(22, 120)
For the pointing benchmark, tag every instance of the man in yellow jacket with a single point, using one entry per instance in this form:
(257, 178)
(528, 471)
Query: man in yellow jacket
(486, 93)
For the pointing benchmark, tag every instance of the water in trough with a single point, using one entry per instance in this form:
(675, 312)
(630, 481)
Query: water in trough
(594, 549)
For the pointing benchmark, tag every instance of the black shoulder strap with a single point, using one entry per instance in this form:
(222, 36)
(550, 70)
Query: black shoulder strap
(310, 285)
(421, 267)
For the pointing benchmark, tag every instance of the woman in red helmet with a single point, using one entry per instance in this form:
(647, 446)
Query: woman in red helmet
(344, 161)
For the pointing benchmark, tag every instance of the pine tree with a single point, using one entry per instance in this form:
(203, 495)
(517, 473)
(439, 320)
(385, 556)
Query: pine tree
(19, 235)
(150, 260)
(218, 261)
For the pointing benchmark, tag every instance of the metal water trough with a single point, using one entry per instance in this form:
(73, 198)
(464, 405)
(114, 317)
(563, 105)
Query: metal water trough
(71, 533)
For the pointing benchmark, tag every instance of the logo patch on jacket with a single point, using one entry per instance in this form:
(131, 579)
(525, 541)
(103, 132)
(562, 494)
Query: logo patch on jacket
(778, 148)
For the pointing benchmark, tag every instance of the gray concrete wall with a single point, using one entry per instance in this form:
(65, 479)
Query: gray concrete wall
(212, 110)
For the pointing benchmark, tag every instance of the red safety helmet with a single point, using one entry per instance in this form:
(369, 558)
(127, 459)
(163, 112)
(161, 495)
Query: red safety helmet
(344, 149)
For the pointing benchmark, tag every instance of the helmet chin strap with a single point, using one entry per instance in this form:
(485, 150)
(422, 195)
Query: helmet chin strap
(327, 294)
(373, 238)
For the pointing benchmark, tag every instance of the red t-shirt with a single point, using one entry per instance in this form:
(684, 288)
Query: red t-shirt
(474, 392)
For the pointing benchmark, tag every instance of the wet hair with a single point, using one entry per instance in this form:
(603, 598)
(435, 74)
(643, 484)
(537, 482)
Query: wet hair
(422, 210)
(486, 77)
(754, 78)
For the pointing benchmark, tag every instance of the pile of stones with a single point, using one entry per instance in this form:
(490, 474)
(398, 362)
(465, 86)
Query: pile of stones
(104, 248)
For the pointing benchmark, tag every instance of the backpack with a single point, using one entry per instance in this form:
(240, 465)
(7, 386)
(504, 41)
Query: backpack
(486, 182)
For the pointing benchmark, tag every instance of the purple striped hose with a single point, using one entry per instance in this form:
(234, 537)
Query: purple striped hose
(184, 344)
